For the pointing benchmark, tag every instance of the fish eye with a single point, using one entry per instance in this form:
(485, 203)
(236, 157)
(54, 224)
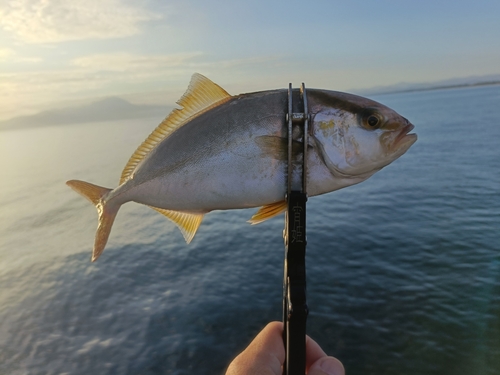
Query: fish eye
(373, 121)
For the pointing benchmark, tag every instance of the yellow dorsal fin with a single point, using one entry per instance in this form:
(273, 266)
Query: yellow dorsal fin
(267, 212)
(187, 223)
(201, 96)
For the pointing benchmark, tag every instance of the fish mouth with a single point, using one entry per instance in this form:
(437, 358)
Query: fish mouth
(404, 139)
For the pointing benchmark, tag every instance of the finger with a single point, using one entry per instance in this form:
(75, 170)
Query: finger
(313, 352)
(326, 366)
(270, 340)
(264, 355)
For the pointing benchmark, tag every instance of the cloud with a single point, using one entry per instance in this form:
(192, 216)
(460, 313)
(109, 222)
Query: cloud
(9, 55)
(52, 21)
(127, 62)
(6, 53)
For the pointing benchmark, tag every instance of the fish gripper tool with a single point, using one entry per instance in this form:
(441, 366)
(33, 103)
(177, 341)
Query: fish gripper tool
(295, 308)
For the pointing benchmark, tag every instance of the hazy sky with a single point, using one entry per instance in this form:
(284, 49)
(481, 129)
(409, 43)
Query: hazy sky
(56, 53)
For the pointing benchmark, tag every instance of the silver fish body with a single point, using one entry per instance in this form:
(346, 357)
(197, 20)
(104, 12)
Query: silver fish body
(231, 153)
(214, 161)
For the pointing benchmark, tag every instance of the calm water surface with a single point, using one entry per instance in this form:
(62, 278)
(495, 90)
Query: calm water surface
(403, 269)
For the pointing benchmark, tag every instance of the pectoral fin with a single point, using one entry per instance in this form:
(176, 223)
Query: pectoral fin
(267, 212)
(277, 147)
(187, 223)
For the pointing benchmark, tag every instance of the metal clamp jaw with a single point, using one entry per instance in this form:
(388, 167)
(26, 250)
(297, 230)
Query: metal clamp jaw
(295, 308)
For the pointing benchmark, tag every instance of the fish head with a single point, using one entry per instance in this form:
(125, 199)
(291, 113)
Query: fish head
(356, 136)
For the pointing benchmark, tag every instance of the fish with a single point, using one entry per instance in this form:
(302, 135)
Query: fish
(220, 152)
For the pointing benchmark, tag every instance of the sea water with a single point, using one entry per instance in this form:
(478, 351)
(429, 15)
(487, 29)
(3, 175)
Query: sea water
(403, 270)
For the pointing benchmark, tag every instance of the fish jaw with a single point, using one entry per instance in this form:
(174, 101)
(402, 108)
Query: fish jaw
(395, 143)
(404, 140)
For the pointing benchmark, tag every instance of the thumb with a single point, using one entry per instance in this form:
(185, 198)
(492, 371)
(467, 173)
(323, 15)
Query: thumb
(326, 366)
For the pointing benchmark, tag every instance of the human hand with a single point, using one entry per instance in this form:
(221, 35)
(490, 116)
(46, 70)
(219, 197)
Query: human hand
(266, 353)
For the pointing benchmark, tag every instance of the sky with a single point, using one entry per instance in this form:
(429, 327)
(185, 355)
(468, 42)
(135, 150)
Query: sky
(58, 53)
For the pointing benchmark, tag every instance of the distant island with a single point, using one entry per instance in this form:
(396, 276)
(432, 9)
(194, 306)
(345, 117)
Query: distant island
(108, 109)
(457, 86)
(455, 83)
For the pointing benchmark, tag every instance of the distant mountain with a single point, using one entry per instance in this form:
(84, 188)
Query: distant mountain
(444, 84)
(107, 109)
(115, 108)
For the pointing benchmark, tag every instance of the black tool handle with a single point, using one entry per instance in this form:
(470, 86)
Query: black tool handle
(294, 291)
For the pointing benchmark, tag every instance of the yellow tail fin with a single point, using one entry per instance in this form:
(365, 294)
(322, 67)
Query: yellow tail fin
(107, 213)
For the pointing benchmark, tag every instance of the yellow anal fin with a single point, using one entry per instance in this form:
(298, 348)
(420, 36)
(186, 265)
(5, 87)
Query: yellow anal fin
(187, 223)
(201, 96)
(267, 212)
